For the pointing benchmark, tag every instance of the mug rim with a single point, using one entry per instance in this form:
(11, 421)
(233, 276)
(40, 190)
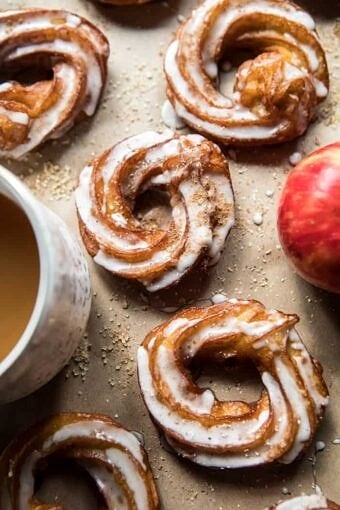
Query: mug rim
(20, 193)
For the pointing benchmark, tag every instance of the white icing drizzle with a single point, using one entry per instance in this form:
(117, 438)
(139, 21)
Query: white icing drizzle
(73, 20)
(201, 403)
(15, 116)
(129, 147)
(320, 88)
(254, 132)
(107, 465)
(304, 503)
(224, 196)
(306, 369)
(117, 265)
(133, 478)
(191, 430)
(114, 496)
(261, 454)
(41, 128)
(218, 298)
(119, 219)
(98, 430)
(230, 326)
(194, 204)
(4, 87)
(199, 235)
(170, 117)
(106, 236)
(196, 100)
(290, 403)
(27, 480)
(72, 98)
(293, 393)
(175, 325)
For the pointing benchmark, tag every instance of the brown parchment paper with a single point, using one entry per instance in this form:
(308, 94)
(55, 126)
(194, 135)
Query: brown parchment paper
(102, 375)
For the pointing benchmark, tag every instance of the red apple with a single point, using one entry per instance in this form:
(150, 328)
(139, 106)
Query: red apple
(309, 217)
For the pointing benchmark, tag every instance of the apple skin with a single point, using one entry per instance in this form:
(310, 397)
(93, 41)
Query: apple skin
(309, 218)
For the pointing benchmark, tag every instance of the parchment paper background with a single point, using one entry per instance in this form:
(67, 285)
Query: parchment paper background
(102, 375)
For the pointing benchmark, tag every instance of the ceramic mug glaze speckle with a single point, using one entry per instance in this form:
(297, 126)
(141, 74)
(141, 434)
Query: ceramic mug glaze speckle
(63, 302)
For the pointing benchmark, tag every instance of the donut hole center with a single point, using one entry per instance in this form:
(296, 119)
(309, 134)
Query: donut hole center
(234, 379)
(153, 210)
(27, 74)
(53, 486)
(227, 68)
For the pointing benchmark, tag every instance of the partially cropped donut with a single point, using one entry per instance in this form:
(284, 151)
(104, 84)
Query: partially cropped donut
(194, 174)
(38, 41)
(274, 95)
(313, 502)
(112, 456)
(232, 434)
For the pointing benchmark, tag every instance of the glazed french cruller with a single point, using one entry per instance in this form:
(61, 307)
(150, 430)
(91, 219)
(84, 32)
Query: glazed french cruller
(74, 50)
(274, 95)
(192, 171)
(112, 456)
(232, 434)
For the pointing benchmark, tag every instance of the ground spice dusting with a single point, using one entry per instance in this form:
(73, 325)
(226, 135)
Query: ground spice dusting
(51, 181)
(79, 363)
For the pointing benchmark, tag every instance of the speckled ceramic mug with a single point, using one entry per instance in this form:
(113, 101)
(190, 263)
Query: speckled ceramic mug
(62, 305)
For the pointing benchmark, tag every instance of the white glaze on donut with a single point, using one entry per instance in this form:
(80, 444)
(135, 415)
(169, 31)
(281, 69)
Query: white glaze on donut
(109, 453)
(291, 381)
(170, 117)
(191, 69)
(78, 63)
(304, 503)
(194, 202)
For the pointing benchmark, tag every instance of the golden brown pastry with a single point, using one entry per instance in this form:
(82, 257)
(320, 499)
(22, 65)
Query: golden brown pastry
(36, 42)
(192, 172)
(313, 502)
(111, 455)
(232, 434)
(274, 94)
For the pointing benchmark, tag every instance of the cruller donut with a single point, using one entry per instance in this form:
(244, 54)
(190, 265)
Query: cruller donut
(113, 457)
(313, 502)
(274, 94)
(194, 174)
(73, 50)
(232, 434)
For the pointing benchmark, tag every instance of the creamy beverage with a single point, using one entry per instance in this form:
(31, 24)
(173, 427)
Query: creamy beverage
(19, 274)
